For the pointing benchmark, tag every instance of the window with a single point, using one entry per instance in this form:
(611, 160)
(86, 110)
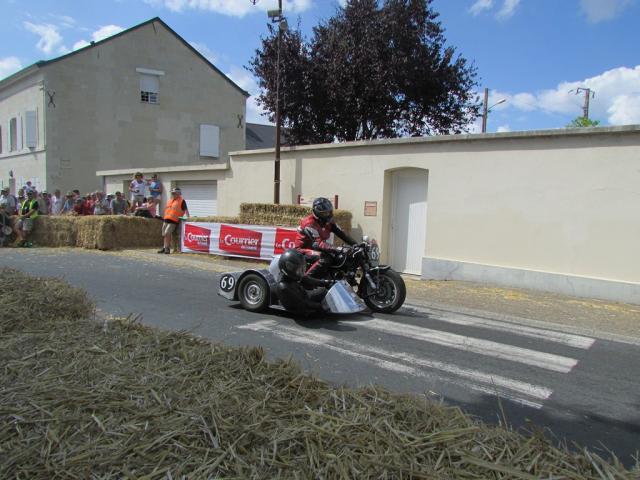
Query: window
(149, 88)
(209, 141)
(31, 131)
(13, 134)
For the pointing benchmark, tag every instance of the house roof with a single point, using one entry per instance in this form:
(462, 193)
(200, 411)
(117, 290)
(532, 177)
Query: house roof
(42, 63)
(261, 136)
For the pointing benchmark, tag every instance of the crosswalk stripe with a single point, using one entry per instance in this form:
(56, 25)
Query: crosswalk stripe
(489, 348)
(476, 380)
(569, 339)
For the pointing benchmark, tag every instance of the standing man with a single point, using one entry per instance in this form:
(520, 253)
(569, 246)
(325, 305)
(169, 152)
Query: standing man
(155, 193)
(28, 213)
(136, 188)
(101, 205)
(173, 213)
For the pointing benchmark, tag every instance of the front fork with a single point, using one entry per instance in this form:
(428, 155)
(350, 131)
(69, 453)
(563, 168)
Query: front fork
(370, 281)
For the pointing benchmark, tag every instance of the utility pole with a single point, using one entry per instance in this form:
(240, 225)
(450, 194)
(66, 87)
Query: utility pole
(588, 94)
(485, 110)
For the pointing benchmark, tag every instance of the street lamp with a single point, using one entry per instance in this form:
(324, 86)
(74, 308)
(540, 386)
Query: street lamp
(486, 110)
(277, 17)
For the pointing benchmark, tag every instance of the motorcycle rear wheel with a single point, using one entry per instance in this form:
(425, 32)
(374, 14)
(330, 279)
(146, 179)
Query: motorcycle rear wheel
(390, 295)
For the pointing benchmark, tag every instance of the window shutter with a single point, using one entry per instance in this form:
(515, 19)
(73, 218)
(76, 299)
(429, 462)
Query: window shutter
(19, 143)
(209, 141)
(31, 129)
(149, 83)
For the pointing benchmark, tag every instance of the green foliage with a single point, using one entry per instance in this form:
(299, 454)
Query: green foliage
(376, 69)
(580, 122)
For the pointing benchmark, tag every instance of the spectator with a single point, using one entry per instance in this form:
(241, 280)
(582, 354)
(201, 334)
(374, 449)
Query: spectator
(57, 202)
(87, 204)
(28, 213)
(76, 194)
(136, 188)
(101, 205)
(28, 187)
(174, 212)
(8, 203)
(118, 205)
(146, 209)
(67, 206)
(155, 193)
(78, 206)
(43, 202)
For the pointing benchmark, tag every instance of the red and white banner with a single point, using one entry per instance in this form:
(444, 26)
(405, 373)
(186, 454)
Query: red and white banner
(255, 241)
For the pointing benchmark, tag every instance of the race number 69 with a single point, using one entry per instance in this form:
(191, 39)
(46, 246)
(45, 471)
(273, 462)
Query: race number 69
(227, 282)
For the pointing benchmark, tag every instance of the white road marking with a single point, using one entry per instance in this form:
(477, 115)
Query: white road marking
(479, 381)
(569, 339)
(548, 361)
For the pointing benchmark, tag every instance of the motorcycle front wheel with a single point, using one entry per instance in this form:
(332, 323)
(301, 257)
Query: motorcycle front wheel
(390, 294)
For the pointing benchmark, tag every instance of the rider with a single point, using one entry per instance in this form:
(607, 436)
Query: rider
(297, 292)
(313, 233)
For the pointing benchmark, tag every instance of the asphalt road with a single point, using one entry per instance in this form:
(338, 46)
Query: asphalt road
(580, 389)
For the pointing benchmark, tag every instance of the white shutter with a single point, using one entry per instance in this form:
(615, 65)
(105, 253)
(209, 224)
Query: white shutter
(31, 129)
(19, 129)
(149, 83)
(209, 141)
(201, 198)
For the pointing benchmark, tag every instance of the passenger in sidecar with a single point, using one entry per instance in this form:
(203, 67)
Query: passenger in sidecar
(285, 286)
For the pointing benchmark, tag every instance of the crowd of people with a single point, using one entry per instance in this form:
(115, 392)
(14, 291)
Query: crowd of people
(143, 200)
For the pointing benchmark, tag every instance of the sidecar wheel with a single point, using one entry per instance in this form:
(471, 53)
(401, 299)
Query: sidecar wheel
(253, 293)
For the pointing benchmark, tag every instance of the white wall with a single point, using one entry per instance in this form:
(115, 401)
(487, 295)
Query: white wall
(559, 202)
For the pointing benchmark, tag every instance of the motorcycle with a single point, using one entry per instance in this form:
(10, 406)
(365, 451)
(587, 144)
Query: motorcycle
(357, 274)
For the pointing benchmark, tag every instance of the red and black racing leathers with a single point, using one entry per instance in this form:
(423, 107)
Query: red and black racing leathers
(311, 240)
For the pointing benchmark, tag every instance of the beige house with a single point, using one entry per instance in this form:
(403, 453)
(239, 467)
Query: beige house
(555, 210)
(143, 99)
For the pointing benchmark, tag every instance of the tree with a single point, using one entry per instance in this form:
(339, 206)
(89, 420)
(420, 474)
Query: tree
(373, 70)
(580, 122)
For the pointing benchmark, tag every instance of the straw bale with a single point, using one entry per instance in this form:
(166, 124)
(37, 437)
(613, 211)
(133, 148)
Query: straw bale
(285, 215)
(119, 400)
(53, 231)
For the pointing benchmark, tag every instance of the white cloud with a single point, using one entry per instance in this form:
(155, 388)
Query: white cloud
(617, 97)
(503, 128)
(103, 32)
(205, 51)
(235, 8)
(50, 39)
(9, 66)
(65, 21)
(508, 9)
(247, 82)
(480, 6)
(625, 110)
(601, 10)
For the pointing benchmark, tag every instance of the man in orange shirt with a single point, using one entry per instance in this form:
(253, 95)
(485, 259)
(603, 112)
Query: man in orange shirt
(175, 210)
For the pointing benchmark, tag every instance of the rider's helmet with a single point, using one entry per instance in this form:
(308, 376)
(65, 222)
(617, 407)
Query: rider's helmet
(292, 264)
(322, 210)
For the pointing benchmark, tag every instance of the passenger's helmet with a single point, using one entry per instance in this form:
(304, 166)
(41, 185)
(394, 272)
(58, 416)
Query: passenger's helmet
(292, 264)
(322, 210)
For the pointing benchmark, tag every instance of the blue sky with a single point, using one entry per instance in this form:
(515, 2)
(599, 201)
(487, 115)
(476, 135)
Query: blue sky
(529, 52)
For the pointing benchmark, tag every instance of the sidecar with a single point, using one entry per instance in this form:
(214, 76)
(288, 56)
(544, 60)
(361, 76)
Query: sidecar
(256, 291)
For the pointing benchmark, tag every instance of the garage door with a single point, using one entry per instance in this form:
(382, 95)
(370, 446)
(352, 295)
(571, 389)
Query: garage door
(201, 198)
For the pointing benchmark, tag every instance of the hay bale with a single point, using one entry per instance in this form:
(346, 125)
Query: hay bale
(109, 232)
(53, 231)
(285, 215)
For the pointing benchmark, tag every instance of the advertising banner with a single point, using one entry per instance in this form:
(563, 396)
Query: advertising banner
(254, 241)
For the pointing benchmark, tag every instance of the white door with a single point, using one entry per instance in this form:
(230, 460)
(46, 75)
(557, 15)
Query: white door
(201, 198)
(408, 220)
